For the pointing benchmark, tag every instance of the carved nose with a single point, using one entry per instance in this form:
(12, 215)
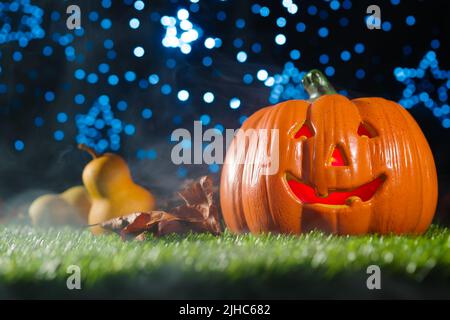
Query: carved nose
(338, 158)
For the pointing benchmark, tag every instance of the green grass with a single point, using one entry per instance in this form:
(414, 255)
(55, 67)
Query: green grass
(33, 264)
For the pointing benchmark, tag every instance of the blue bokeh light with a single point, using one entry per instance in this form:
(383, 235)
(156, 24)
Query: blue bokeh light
(49, 96)
(329, 71)
(264, 11)
(281, 22)
(180, 32)
(134, 23)
(183, 95)
(335, 5)
(323, 32)
(248, 78)
(138, 51)
(324, 59)
(287, 85)
(419, 90)
(262, 75)
(360, 74)
(139, 5)
(300, 27)
(153, 79)
(256, 47)
(280, 39)
(31, 20)
(295, 54)
(410, 20)
(38, 121)
(359, 48)
(235, 103)
(241, 56)
(208, 97)
(205, 119)
(346, 55)
(177, 31)
(240, 23)
(19, 145)
(62, 117)
(106, 24)
(58, 135)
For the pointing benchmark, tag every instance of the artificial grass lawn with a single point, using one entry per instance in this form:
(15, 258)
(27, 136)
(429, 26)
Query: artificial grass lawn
(33, 264)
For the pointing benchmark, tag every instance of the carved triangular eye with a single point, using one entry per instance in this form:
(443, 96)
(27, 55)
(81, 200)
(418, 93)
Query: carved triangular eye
(304, 131)
(367, 130)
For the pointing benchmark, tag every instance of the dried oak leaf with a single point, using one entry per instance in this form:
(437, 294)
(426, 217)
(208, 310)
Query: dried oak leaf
(117, 224)
(166, 227)
(199, 208)
(136, 223)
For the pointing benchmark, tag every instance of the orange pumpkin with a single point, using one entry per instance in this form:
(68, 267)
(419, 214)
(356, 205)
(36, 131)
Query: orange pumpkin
(345, 167)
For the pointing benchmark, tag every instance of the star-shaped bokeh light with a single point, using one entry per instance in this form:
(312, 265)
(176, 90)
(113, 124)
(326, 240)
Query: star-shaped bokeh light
(426, 85)
(28, 26)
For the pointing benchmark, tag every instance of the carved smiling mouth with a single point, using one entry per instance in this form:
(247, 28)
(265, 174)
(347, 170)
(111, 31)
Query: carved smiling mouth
(307, 195)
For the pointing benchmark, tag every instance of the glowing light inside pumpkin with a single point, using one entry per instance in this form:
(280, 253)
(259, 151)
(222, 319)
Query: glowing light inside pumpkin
(366, 130)
(307, 194)
(338, 158)
(304, 131)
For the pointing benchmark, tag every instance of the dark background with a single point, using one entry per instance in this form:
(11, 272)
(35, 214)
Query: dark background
(46, 164)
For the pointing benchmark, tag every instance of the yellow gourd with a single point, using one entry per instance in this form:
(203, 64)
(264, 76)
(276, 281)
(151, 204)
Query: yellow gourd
(112, 190)
(79, 198)
(68, 208)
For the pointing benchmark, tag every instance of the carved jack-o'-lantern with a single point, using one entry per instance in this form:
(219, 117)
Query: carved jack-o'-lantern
(345, 166)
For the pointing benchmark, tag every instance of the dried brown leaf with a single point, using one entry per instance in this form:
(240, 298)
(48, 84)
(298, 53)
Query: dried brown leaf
(198, 214)
(141, 237)
(117, 224)
(200, 208)
(146, 221)
(174, 226)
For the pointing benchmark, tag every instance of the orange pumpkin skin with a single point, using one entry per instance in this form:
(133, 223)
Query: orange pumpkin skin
(397, 153)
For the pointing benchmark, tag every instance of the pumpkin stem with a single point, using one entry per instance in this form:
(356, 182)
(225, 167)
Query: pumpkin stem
(89, 150)
(317, 85)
